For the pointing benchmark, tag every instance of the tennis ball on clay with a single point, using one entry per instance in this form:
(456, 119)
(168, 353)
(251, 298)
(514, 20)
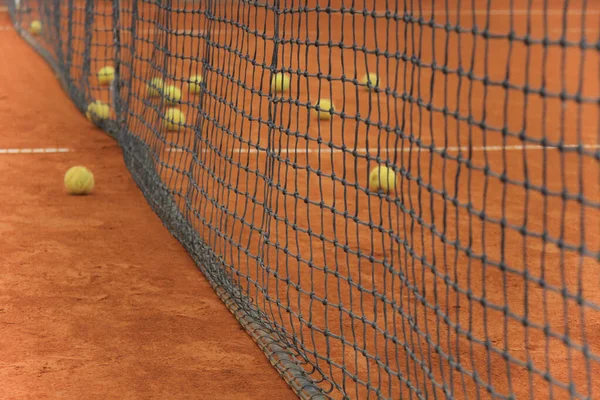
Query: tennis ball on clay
(79, 180)
(35, 27)
(324, 109)
(174, 119)
(172, 94)
(195, 84)
(97, 111)
(382, 178)
(280, 82)
(106, 75)
(155, 87)
(370, 80)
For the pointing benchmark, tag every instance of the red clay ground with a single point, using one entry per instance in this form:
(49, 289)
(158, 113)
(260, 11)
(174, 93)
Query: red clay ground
(418, 321)
(97, 300)
(436, 310)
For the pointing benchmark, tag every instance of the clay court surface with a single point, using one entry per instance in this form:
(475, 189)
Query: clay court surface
(97, 299)
(101, 298)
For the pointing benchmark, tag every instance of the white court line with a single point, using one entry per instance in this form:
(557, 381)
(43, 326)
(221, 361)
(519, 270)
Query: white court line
(191, 32)
(440, 11)
(377, 150)
(47, 150)
(525, 12)
(197, 33)
(220, 33)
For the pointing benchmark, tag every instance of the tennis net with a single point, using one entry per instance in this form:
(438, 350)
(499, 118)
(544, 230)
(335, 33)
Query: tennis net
(469, 267)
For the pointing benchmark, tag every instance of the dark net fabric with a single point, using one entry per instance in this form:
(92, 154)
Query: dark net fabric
(474, 274)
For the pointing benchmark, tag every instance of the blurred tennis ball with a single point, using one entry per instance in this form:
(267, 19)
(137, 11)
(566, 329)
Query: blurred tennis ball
(106, 75)
(172, 95)
(155, 87)
(97, 111)
(174, 119)
(324, 109)
(195, 84)
(35, 27)
(280, 82)
(382, 178)
(370, 81)
(79, 180)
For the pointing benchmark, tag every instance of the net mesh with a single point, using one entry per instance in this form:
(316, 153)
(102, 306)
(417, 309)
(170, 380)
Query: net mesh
(471, 270)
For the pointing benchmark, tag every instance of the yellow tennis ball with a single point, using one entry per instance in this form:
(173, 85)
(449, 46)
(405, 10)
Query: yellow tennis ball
(195, 84)
(382, 178)
(79, 180)
(172, 95)
(324, 109)
(106, 75)
(370, 80)
(97, 111)
(35, 27)
(174, 119)
(280, 82)
(155, 87)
